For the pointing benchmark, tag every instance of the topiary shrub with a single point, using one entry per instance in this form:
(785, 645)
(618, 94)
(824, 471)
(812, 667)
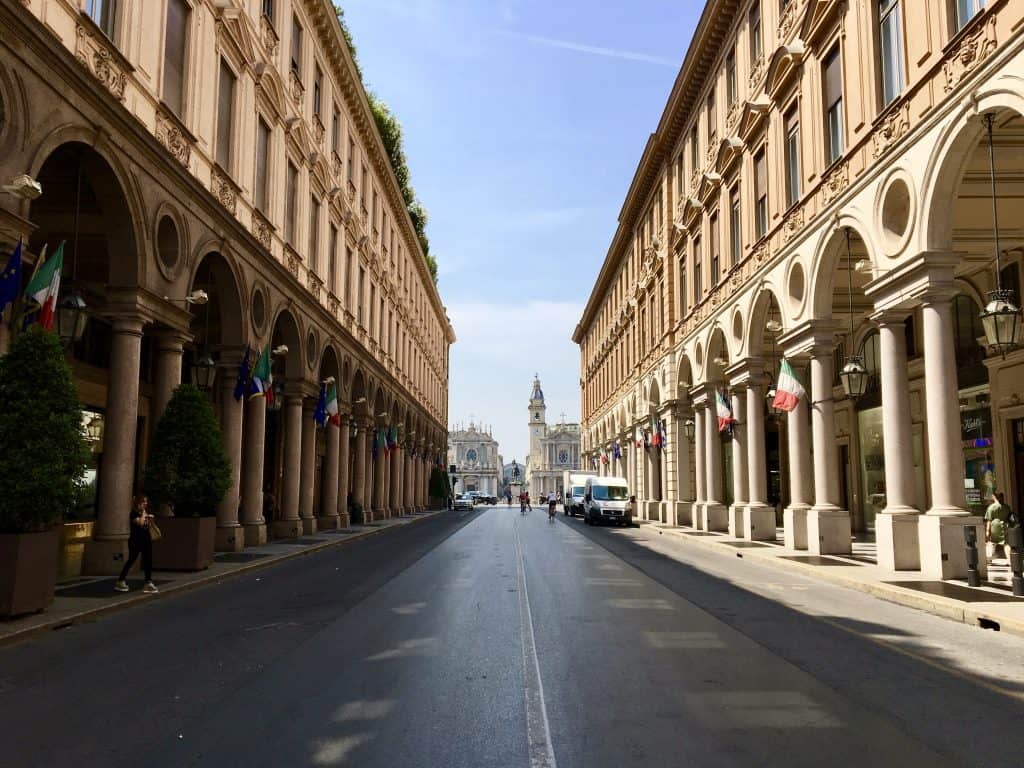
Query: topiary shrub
(440, 486)
(355, 514)
(42, 451)
(188, 468)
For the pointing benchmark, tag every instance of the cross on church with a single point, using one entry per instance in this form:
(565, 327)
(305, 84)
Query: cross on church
(563, 417)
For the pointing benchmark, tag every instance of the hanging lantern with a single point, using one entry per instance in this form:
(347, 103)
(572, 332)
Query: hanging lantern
(854, 377)
(72, 317)
(204, 371)
(278, 400)
(689, 429)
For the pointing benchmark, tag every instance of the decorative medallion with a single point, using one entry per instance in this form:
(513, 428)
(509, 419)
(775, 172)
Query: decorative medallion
(837, 180)
(291, 260)
(97, 59)
(169, 133)
(318, 130)
(969, 53)
(761, 252)
(892, 129)
(792, 224)
(315, 285)
(788, 21)
(269, 36)
(757, 73)
(261, 230)
(295, 88)
(732, 119)
(224, 190)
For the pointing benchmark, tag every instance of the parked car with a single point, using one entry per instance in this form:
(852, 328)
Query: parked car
(606, 499)
(464, 501)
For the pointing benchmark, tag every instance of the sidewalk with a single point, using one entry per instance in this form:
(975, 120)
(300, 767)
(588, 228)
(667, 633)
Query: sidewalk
(992, 605)
(89, 597)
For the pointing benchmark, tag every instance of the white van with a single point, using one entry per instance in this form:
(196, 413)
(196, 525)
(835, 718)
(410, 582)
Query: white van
(573, 482)
(606, 499)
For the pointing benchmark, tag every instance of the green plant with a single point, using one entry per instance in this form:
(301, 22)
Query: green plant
(42, 451)
(440, 486)
(188, 468)
(355, 513)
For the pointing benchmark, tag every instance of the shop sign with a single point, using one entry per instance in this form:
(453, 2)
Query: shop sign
(976, 424)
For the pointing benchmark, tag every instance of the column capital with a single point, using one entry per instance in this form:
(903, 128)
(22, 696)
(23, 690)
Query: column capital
(926, 276)
(884, 317)
(746, 372)
(171, 339)
(812, 338)
(128, 323)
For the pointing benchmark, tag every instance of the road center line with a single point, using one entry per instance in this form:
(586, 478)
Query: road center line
(538, 730)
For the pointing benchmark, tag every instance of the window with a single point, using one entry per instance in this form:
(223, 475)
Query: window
(682, 286)
(679, 176)
(268, 9)
(792, 157)
(967, 10)
(715, 260)
(291, 189)
(175, 42)
(103, 13)
(314, 233)
(351, 161)
(760, 195)
(346, 277)
(735, 222)
(890, 48)
(318, 84)
(262, 148)
(364, 183)
(698, 289)
(373, 306)
(225, 115)
(712, 118)
(336, 129)
(359, 296)
(332, 260)
(694, 148)
(754, 22)
(835, 130)
(297, 47)
(730, 77)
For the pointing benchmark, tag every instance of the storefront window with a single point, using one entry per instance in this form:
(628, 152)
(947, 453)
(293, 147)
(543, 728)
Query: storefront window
(92, 428)
(728, 497)
(976, 433)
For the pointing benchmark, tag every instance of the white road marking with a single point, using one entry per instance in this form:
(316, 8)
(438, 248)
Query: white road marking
(538, 730)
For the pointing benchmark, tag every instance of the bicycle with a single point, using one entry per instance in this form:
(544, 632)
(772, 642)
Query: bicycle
(551, 511)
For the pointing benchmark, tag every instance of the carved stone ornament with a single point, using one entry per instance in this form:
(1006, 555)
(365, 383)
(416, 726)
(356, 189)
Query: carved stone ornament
(261, 230)
(969, 53)
(224, 190)
(173, 138)
(837, 180)
(291, 260)
(314, 286)
(761, 252)
(318, 130)
(788, 21)
(757, 72)
(732, 119)
(792, 224)
(892, 129)
(268, 35)
(295, 88)
(333, 305)
(96, 58)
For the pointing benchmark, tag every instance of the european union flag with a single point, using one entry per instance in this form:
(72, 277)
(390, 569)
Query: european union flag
(10, 279)
(320, 414)
(242, 380)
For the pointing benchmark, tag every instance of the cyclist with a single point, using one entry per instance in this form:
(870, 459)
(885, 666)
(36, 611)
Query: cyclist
(524, 502)
(552, 501)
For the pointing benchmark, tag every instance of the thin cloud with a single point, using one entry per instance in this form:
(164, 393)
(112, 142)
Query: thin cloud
(596, 50)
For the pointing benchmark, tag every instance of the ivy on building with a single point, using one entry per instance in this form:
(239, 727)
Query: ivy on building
(390, 131)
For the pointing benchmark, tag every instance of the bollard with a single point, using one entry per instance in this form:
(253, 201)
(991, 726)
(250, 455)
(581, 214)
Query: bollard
(971, 540)
(1015, 538)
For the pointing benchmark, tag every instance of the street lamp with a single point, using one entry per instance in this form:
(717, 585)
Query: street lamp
(853, 375)
(71, 317)
(278, 400)
(1001, 317)
(689, 429)
(204, 371)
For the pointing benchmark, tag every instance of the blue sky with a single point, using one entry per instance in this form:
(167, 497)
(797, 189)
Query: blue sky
(524, 122)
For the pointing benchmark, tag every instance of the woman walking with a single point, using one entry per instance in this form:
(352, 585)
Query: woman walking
(140, 542)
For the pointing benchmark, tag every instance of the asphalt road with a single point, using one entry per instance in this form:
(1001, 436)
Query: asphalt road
(495, 639)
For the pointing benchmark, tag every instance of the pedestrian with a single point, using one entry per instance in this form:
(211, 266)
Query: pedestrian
(997, 519)
(140, 542)
(630, 509)
(269, 502)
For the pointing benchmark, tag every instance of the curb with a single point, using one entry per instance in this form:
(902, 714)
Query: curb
(90, 614)
(945, 607)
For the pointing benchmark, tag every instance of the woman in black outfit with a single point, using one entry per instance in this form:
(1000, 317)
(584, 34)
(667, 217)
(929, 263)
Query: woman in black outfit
(140, 542)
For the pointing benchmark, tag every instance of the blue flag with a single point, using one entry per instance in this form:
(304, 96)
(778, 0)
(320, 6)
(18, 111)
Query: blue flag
(320, 414)
(10, 279)
(242, 380)
(616, 450)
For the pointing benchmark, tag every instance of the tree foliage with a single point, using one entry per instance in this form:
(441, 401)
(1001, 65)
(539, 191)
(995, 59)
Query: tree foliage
(188, 468)
(390, 131)
(42, 451)
(440, 485)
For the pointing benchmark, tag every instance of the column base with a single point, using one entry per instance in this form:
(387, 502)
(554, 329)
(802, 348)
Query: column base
(229, 538)
(715, 517)
(943, 552)
(380, 514)
(794, 526)
(344, 520)
(106, 557)
(683, 513)
(829, 531)
(737, 517)
(254, 534)
(899, 545)
(308, 526)
(286, 529)
(651, 510)
(327, 523)
(697, 515)
(667, 512)
(759, 523)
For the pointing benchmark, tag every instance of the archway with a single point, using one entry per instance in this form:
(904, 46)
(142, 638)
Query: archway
(286, 368)
(767, 324)
(325, 480)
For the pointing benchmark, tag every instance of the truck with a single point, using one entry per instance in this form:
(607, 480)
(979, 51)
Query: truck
(573, 482)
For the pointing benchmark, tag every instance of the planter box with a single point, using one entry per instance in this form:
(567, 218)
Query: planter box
(73, 539)
(187, 543)
(28, 571)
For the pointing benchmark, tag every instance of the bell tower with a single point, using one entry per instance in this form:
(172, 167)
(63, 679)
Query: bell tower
(538, 420)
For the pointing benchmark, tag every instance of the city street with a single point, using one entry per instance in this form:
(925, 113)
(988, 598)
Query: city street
(494, 639)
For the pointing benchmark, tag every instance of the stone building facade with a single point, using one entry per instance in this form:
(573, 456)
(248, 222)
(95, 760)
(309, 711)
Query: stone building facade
(229, 147)
(553, 450)
(820, 185)
(474, 454)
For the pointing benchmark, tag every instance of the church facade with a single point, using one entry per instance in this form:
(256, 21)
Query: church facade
(474, 454)
(553, 450)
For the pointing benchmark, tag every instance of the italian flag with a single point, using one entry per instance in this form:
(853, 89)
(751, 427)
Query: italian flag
(44, 287)
(263, 378)
(724, 412)
(789, 391)
(332, 406)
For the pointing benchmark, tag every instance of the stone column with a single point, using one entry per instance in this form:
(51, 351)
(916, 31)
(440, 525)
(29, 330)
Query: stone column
(289, 525)
(680, 444)
(798, 440)
(896, 527)
(409, 475)
(105, 553)
(828, 526)
(379, 501)
(398, 482)
(385, 462)
(359, 470)
(307, 469)
(253, 524)
(700, 467)
(941, 530)
(737, 510)
(229, 532)
(328, 517)
(716, 516)
(167, 373)
(759, 520)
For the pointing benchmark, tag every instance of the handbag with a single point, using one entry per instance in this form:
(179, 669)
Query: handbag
(155, 533)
